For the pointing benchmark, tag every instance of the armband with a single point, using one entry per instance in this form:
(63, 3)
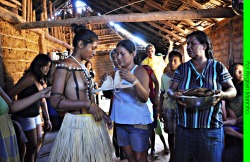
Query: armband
(55, 93)
(135, 81)
(58, 103)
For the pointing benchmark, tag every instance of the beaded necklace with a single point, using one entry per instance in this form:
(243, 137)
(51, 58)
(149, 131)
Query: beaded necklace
(86, 74)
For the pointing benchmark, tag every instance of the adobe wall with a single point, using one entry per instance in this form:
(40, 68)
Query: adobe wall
(18, 49)
(228, 42)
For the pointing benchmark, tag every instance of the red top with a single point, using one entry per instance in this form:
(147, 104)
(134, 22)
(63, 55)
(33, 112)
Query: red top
(151, 85)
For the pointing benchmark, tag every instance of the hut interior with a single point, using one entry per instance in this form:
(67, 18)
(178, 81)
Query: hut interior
(43, 26)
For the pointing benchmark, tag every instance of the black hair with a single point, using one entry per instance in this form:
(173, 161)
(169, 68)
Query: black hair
(238, 86)
(83, 34)
(128, 45)
(88, 62)
(39, 61)
(203, 39)
(175, 53)
(112, 52)
(149, 45)
(91, 72)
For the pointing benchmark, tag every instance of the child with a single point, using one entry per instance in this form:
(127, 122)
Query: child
(167, 106)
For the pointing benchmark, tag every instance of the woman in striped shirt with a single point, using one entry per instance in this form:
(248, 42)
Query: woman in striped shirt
(199, 133)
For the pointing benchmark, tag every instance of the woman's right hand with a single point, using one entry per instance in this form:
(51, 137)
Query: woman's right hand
(104, 77)
(97, 112)
(46, 92)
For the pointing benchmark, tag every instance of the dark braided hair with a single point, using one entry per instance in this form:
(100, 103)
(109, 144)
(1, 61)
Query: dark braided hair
(83, 34)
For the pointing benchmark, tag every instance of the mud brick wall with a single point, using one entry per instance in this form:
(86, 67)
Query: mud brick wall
(228, 42)
(19, 48)
(101, 65)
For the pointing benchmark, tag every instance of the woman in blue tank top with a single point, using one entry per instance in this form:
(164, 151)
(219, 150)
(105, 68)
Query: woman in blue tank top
(129, 109)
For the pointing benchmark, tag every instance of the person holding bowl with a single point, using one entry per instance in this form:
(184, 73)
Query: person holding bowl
(199, 134)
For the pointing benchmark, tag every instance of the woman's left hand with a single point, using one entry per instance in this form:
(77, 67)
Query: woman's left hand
(126, 75)
(48, 125)
(219, 96)
(107, 120)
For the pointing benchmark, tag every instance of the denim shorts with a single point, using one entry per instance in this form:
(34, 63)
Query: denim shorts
(136, 136)
(28, 123)
(199, 144)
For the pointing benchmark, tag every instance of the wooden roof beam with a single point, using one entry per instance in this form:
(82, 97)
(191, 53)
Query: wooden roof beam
(134, 17)
(130, 26)
(155, 25)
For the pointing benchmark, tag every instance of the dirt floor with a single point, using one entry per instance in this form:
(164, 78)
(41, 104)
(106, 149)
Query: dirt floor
(104, 104)
(47, 145)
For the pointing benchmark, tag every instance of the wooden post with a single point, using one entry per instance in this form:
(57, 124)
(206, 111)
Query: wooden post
(70, 36)
(28, 11)
(50, 17)
(34, 16)
(31, 12)
(42, 47)
(55, 28)
(44, 5)
(24, 3)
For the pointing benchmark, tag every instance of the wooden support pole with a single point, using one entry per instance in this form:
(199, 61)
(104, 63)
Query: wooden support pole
(24, 3)
(44, 5)
(31, 12)
(137, 17)
(41, 43)
(34, 15)
(50, 17)
(28, 11)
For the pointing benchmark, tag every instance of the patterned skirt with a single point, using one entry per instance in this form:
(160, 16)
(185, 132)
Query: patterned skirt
(8, 142)
(80, 138)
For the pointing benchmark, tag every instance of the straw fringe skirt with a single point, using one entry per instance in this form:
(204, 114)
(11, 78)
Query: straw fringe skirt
(81, 139)
(8, 142)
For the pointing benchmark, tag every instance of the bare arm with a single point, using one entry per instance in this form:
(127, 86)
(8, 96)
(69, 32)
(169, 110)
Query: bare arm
(46, 114)
(229, 90)
(160, 105)
(26, 81)
(21, 104)
(172, 91)
(140, 80)
(157, 89)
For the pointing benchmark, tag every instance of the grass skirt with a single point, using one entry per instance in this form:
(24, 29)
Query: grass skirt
(81, 139)
(8, 142)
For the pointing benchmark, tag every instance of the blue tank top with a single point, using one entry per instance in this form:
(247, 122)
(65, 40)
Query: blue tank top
(127, 108)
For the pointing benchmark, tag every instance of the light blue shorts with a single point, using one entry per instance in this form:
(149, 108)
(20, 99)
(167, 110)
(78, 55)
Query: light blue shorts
(28, 123)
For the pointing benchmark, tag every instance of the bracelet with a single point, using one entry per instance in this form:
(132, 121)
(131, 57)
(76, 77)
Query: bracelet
(89, 105)
(135, 81)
